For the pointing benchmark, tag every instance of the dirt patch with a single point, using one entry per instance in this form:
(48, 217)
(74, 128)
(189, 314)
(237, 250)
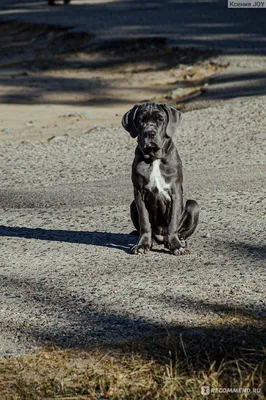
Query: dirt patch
(45, 66)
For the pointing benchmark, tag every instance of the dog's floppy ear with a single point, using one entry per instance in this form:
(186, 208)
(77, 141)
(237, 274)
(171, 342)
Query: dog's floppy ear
(174, 119)
(128, 121)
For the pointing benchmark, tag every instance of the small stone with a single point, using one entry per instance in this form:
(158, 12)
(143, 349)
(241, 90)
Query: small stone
(11, 221)
(58, 138)
(82, 114)
(175, 92)
(206, 235)
(30, 123)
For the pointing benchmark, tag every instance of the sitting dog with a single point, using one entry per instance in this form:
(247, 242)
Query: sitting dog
(158, 212)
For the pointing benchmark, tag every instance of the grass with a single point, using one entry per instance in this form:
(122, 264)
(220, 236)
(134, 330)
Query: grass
(230, 353)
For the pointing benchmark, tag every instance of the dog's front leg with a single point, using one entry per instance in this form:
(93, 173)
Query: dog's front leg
(145, 240)
(174, 244)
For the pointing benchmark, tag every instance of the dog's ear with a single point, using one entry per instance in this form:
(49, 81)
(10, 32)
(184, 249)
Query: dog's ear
(128, 121)
(174, 119)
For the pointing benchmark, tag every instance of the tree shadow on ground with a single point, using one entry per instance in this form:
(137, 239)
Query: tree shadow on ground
(93, 92)
(61, 68)
(210, 24)
(204, 26)
(54, 313)
(245, 249)
(234, 336)
(244, 85)
(250, 250)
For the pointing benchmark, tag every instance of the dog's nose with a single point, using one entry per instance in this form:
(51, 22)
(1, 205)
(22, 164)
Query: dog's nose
(150, 134)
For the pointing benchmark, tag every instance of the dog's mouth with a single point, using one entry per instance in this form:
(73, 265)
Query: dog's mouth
(149, 151)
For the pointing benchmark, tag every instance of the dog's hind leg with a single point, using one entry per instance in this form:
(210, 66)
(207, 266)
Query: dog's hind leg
(189, 220)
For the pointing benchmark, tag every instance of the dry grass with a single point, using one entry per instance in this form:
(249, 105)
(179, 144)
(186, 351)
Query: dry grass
(171, 365)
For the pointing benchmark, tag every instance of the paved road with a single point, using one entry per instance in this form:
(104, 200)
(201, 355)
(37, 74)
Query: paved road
(66, 273)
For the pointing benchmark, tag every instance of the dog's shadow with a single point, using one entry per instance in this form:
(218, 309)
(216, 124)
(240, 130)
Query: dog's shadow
(120, 241)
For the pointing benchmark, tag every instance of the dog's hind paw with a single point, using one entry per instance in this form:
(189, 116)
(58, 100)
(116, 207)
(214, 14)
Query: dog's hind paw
(140, 249)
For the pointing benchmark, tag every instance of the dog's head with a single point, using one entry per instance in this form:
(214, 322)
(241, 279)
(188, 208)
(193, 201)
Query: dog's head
(153, 123)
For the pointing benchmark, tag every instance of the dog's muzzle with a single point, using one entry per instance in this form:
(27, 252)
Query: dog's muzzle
(150, 150)
(148, 143)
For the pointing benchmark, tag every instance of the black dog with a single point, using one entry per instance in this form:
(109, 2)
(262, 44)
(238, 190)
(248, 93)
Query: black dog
(158, 212)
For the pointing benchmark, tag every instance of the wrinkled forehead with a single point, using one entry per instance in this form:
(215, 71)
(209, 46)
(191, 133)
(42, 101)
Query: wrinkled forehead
(151, 111)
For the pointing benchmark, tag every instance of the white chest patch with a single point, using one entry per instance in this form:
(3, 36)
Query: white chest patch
(157, 182)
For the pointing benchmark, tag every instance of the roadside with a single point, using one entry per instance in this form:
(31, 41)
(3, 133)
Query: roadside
(51, 72)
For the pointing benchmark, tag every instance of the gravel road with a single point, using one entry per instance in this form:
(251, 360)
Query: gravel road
(66, 273)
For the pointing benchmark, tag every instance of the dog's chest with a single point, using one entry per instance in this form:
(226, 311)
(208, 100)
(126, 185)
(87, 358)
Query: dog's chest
(157, 183)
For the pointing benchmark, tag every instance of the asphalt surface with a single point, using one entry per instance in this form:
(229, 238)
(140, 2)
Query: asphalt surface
(187, 23)
(66, 273)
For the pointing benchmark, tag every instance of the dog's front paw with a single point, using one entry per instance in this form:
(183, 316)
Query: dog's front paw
(143, 246)
(181, 251)
(174, 242)
(177, 246)
(140, 249)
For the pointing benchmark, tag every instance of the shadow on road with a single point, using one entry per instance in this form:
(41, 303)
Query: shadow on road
(234, 333)
(230, 86)
(120, 241)
(202, 26)
(191, 23)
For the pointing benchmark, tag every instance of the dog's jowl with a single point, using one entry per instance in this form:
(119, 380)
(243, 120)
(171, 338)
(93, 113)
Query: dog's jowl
(158, 211)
